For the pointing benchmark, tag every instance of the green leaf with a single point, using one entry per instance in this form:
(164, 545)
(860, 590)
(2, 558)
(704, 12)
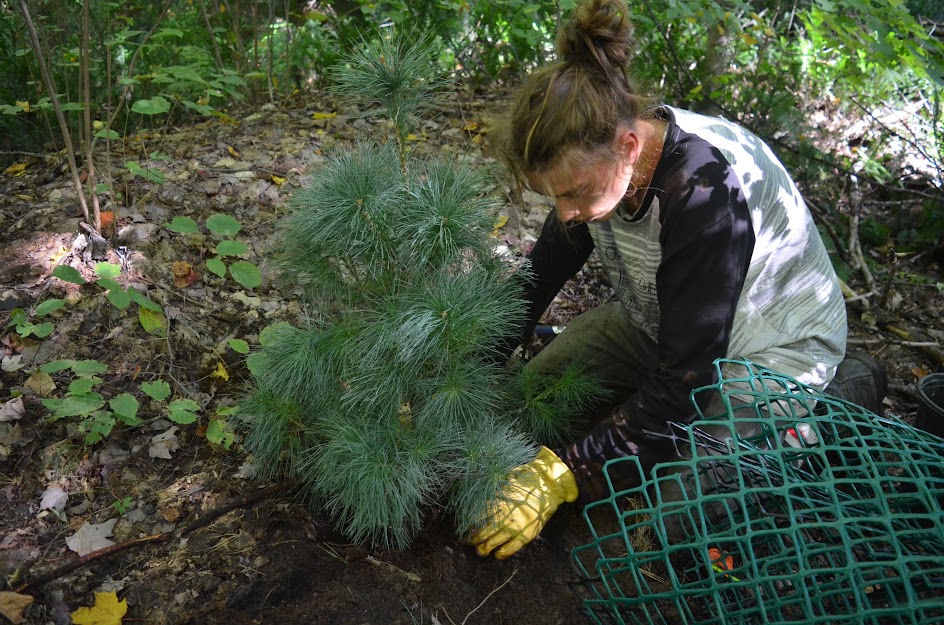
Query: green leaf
(217, 266)
(82, 386)
(246, 274)
(108, 283)
(71, 106)
(43, 330)
(159, 390)
(218, 433)
(107, 133)
(152, 175)
(126, 407)
(54, 366)
(223, 225)
(119, 298)
(88, 367)
(73, 405)
(98, 425)
(151, 106)
(49, 306)
(231, 248)
(153, 322)
(203, 109)
(68, 274)
(270, 334)
(239, 346)
(107, 270)
(143, 301)
(254, 362)
(183, 225)
(183, 411)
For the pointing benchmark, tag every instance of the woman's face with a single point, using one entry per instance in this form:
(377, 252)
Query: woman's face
(587, 192)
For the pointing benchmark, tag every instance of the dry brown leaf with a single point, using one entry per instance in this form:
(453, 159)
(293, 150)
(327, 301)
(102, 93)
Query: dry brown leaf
(91, 537)
(40, 383)
(184, 275)
(13, 604)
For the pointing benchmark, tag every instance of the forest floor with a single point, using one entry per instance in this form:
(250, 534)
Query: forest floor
(198, 539)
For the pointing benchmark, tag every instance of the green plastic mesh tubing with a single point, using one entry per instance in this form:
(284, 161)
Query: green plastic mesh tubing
(829, 513)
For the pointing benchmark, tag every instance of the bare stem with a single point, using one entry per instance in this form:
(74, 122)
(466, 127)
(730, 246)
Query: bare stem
(54, 98)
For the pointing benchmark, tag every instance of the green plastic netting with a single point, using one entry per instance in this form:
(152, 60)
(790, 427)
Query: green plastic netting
(824, 513)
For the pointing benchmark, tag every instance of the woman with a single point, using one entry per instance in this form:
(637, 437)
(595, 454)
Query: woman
(706, 240)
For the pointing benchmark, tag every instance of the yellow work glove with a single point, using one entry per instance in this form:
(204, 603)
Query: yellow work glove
(532, 495)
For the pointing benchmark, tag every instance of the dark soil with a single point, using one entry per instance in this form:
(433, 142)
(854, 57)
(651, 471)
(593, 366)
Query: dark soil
(267, 559)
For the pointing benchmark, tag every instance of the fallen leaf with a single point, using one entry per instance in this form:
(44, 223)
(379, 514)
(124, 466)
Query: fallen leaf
(13, 604)
(54, 498)
(91, 537)
(324, 115)
(918, 372)
(184, 275)
(106, 611)
(232, 151)
(471, 126)
(12, 410)
(16, 169)
(163, 444)
(220, 372)
(278, 180)
(40, 383)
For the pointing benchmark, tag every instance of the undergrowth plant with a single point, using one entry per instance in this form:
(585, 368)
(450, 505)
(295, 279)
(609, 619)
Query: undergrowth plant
(388, 402)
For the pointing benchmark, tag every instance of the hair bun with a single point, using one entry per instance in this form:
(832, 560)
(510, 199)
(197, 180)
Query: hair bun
(599, 33)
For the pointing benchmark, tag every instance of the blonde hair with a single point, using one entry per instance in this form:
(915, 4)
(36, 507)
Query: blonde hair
(580, 100)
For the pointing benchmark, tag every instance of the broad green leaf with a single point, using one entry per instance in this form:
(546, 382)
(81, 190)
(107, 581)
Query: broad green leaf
(126, 407)
(43, 330)
(231, 248)
(203, 109)
(98, 426)
(158, 390)
(183, 225)
(183, 411)
(152, 175)
(218, 433)
(151, 106)
(143, 301)
(119, 298)
(217, 266)
(82, 386)
(246, 274)
(71, 106)
(152, 321)
(73, 405)
(239, 346)
(68, 274)
(88, 367)
(49, 306)
(223, 225)
(108, 283)
(107, 133)
(107, 270)
(270, 334)
(253, 362)
(54, 366)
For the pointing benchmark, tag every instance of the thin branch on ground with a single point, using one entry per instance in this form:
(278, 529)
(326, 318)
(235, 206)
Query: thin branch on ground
(487, 597)
(203, 521)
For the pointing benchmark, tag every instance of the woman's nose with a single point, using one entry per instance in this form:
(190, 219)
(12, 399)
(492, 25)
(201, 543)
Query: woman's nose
(566, 210)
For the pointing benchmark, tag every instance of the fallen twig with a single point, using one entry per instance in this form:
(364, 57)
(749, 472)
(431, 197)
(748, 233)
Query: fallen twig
(487, 597)
(203, 521)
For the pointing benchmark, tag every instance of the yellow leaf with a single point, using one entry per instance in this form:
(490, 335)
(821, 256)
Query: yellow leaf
(98, 124)
(25, 198)
(23, 104)
(471, 126)
(106, 611)
(748, 39)
(413, 137)
(152, 321)
(232, 151)
(477, 139)
(16, 169)
(696, 89)
(324, 115)
(501, 221)
(278, 180)
(220, 372)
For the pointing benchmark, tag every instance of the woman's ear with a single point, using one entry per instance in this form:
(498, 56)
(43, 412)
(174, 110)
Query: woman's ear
(628, 146)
